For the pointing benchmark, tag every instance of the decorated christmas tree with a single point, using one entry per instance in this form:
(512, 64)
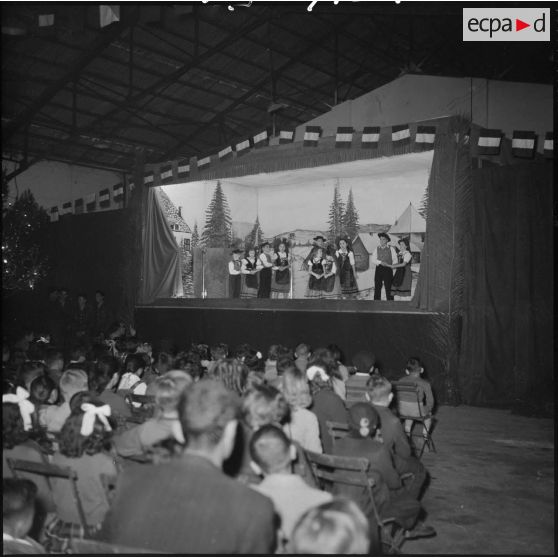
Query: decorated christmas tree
(350, 218)
(336, 214)
(218, 223)
(23, 233)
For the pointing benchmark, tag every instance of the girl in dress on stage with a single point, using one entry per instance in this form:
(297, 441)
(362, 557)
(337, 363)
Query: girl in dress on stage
(401, 284)
(235, 277)
(266, 258)
(281, 281)
(250, 269)
(330, 280)
(346, 267)
(316, 275)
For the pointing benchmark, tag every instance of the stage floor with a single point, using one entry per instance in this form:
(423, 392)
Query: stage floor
(492, 486)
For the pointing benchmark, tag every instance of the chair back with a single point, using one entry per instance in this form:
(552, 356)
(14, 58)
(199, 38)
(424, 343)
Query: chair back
(90, 547)
(337, 430)
(50, 471)
(407, 400)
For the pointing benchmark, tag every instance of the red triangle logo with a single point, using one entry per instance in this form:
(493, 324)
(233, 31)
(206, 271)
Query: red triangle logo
(519, 25)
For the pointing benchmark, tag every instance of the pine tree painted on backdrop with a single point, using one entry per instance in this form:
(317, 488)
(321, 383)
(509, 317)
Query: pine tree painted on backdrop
(217, 232)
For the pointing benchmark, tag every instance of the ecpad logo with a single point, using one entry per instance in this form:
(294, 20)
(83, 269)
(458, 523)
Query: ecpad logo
(506, 24)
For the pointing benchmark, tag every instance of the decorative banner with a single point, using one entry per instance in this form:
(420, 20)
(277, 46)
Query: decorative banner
(489, 142)
(166, 174)
(260, 140)
(91, 202)
(54, 214)
(226, 153)
(118, 192)
(78, 206)
(148, 177)
(286, 136)
(66, 208)
(344, 136)
(370, 137)
(183, 168)
(204, 162)
(311, 136)
(549, 144)
(108, 14)
(46, 20)
(425, 137)
(523, 144)
(242, 147)
(400, 135)
(104, 198)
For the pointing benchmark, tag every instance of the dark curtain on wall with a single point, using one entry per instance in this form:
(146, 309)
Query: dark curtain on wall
(507, 337)
(161, 267)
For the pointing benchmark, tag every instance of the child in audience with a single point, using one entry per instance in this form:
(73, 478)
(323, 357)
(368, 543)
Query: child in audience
(364, 363)
(43, 391)
(337, 380)
(336, 527)
(28, 371)
(327, 406)
(18, 511)
(302, 425)
(394, 437)
(218, 352)
(272, 457)
(85, 446)
(302, 355)
(105, 379)
(131, 381)
(52, 417)
(232, 373)
(413, 372)
(54, 363)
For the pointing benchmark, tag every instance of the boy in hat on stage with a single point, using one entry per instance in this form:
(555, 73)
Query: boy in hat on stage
(235, 265)
(384, 257)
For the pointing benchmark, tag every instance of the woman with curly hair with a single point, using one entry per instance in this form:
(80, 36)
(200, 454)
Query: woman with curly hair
(303, 425)
(232, 372)
(85, 445)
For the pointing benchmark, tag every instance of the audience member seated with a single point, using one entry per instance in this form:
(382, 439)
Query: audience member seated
(231, 372)
(337, 355)
(105, 379)
(84, 446)
(275, 353)
(43, 392)
(53, 417)
(218, 352)
(364, 363)
(131, 381)
(55, 363)
(188, 506)
(326, 357)
(394, 437)
(78, 355)
(302, 425)
(327, 405)
(393, 502)
(413, 372)
(28, 371)
(18, 511)
(24, 340)
(336, 527)
(302, 355)
(164, 425)
(18, 443)
(272, 457)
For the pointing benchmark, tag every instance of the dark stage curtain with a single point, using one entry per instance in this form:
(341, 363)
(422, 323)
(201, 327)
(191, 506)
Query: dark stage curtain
(507, 335)
(161, 266)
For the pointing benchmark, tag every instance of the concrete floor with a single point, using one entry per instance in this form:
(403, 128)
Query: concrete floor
(492, 485)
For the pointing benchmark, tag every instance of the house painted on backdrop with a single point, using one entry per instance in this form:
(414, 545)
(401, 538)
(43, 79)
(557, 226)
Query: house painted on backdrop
(180, 229)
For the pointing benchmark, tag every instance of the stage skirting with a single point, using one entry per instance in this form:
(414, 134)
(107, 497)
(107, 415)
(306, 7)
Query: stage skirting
(392, 331)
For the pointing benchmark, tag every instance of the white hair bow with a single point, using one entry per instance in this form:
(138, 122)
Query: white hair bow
(176, 429)
(313, 370)
(26, 408)
(91, 412)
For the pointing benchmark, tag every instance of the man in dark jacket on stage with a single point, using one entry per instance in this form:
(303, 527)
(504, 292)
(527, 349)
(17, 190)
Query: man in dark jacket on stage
(189, 506)
(383, 258)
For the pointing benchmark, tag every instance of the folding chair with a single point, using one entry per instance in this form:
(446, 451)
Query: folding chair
(89, 547)
(337, 430)
(49, 471)
(333, 471)
(409, 407)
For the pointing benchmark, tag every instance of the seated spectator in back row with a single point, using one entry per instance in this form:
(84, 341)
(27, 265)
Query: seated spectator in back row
(52, 417)
(105, 379)
(364, 363)
(18, 511)
(272, 457)
(131, 381)
(188, 505)
(302, 354)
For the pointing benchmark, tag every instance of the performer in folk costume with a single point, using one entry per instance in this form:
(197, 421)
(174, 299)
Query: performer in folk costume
(266, 258)
(251, 266)
(316, 273)
(235, 266)
(346, 267)
(401, 284)
(319, 242)
(281, 280)
(330, 280)
(383, 257)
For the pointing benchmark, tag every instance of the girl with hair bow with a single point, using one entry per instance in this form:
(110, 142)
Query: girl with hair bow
(85, 445)
(26, 408)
